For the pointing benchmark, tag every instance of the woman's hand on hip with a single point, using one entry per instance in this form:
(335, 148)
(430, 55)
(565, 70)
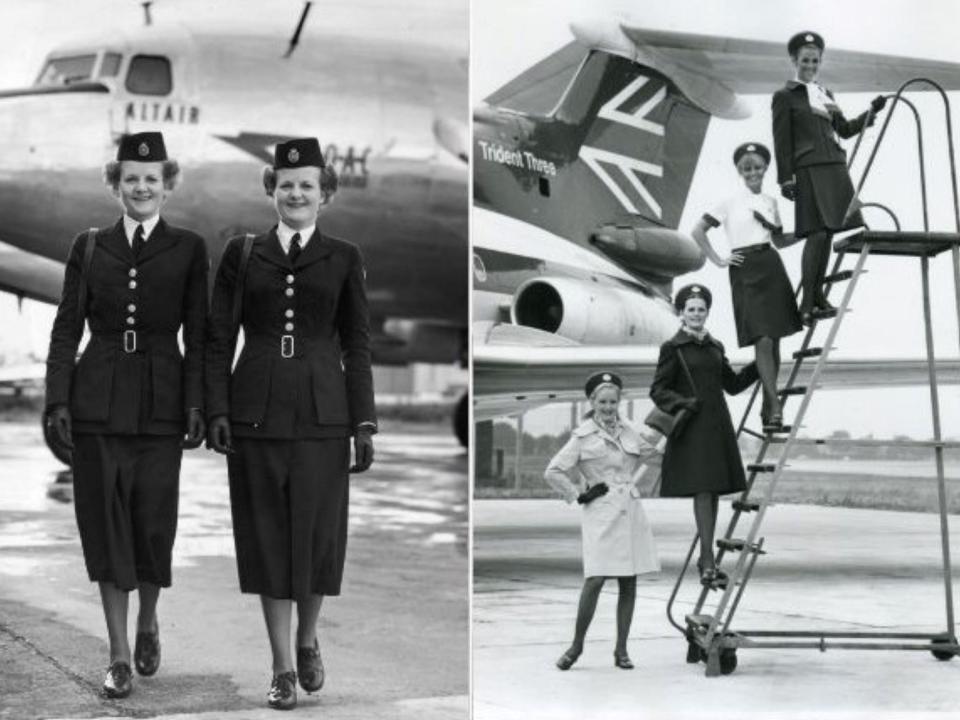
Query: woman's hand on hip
(595, 491)
(789, 190)
(733, 258)
(195, 429)
(59, 420)
(363, 452)
(219, 438)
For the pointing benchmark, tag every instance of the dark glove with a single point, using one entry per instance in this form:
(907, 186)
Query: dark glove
(59, 419)
(219, 438)
(775, 229)
(789, 190)
(878, 103)
(195, 429)
(595, 491)
(363, 451)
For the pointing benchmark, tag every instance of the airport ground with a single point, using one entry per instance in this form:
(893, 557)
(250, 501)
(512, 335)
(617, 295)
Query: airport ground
(827, 568)
(395, 643)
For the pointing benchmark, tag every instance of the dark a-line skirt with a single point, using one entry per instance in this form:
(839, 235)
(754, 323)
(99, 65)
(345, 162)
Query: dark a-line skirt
(289, 503)
(125, 493)
(823, 195)
(763, 299)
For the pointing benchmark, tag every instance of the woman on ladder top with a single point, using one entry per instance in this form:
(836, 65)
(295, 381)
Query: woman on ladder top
(703, 461)
(598, 467)
(811, 164)
(764, 307)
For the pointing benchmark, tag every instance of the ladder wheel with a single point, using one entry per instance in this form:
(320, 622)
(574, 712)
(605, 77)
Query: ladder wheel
(943, 655)
(694, 652)
(728, 661)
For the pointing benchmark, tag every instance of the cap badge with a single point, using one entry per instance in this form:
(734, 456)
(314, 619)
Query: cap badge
(606, 377)
(293, 155)
(751, 148)
(695, 289)
(143, 149)
(808, 38)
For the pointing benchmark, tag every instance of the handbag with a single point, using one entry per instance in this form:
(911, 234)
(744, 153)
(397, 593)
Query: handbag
(672, 424)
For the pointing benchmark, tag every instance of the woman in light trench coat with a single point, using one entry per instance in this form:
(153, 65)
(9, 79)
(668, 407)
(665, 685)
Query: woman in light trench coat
(598, 467)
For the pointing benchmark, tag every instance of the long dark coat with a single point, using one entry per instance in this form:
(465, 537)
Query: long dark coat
(325, 389)
(705, 457)
(132, 393)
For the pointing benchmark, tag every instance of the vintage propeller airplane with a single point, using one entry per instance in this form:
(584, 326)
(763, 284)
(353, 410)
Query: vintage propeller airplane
(390, 116)
(582, 167)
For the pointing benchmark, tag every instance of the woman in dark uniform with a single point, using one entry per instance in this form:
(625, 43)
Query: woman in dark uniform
(811, 164)
(124, 406)
(704, 461)
(301, 388)
(763, 304)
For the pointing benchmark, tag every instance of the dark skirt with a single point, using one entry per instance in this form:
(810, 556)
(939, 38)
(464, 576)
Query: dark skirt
(763, 300)
(823, 195)
(126, 490)
(289, 502)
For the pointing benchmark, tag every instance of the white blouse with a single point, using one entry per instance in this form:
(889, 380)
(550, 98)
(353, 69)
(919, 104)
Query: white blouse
(736, 216)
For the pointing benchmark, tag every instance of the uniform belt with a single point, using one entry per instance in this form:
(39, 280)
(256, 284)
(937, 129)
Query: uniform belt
(747, 249)
(137, 341)
(288, 345)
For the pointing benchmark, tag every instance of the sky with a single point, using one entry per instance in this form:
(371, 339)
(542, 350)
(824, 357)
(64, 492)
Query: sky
(886, 321)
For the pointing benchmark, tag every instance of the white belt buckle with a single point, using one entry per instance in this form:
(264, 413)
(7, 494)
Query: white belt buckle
(129, 341)
(286, 346)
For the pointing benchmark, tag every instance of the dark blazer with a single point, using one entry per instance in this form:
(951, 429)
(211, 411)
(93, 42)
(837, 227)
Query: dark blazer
(325, 387)
(801, 137)
(705, 456)
(149, 389)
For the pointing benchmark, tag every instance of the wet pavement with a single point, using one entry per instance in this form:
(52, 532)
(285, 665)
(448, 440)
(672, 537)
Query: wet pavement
(826, 569)
(394, 642)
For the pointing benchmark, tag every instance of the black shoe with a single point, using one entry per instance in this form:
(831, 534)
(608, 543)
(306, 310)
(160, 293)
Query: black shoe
(119, 680)
(622, 660)
(146, 652)
(823, 306)
(567, 660)
(283, 691)
(310, 667)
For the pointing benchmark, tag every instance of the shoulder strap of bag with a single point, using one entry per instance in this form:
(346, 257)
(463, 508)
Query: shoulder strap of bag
(687, 371)
(240, 280)
(84, 277)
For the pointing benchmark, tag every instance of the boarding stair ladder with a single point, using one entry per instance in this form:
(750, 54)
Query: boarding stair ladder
(708, 630)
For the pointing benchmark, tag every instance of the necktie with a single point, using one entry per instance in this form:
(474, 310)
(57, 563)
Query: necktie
(294, 248)
(138, 241)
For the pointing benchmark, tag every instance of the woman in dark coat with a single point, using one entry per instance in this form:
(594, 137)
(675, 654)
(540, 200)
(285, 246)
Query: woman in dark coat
(811, 164)
(301, 388)
(763, 303)
(703, 462)
(124, 406)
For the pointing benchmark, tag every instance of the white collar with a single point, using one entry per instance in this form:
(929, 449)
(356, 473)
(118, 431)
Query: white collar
(285, 235)
(130, 227)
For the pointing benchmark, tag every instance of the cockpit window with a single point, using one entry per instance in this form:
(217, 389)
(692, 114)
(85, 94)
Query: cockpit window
(149, 75)
(66, 70)
(110, 65)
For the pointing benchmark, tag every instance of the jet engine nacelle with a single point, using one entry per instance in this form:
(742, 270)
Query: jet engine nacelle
(592, 313)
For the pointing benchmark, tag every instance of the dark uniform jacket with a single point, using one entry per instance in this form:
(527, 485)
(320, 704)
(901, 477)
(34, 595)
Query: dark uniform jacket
(705, 456)
(801, 137)
(132, 378)
(304, 370)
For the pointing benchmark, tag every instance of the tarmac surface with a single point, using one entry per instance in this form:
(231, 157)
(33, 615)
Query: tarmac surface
(394, 643)
(826, 569)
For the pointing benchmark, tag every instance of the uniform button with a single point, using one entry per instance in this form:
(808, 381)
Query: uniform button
(131, 308)
(130, 321)
(289, 279)
(288, 327)
(132, 273)
(132, 285)
(288, 313)
(288, 291)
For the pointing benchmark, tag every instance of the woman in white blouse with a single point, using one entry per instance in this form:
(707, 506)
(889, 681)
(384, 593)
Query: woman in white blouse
(764, 306)
(598, 468)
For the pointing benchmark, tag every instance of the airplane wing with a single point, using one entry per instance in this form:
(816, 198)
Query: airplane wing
(27, 275)
(512, 378)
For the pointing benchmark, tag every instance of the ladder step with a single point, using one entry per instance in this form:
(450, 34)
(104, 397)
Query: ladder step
(699, 622)
(745, 506)
(738, 545)
(761, 467)
(771, 429)
(794, 390)
(838, 277)
(809, 352)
